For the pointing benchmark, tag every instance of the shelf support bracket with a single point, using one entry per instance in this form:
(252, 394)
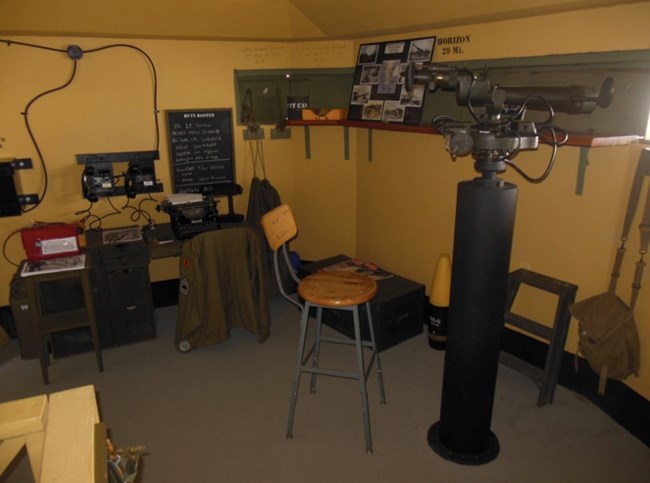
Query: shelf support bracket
(346, 142)
(583, 162)
(370, 145)
(307, 143)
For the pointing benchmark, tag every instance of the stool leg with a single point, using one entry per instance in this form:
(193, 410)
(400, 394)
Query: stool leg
(380, 377)
(362, 380)
(316, 354)
(304, 320)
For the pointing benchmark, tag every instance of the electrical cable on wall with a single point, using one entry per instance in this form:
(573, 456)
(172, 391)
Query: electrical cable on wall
(25, 114)
(75, 53)
(4, 247)
(96, 223)
(139, 212)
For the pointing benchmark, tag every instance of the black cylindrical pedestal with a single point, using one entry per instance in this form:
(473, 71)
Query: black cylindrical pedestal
(485, 216)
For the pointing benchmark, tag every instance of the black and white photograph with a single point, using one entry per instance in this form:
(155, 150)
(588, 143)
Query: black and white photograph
(370, 74)
(393, 112)
(52, 265)
(360, 94)
(378, 88)
(372, 111)
(121, 235)
(368, 54)
(421, 50)
(388, 77)
(403, 68)
(414, 97)
(394, 48)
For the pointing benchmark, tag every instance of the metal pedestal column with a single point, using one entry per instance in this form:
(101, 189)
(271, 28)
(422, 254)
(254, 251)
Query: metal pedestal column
(485, 216)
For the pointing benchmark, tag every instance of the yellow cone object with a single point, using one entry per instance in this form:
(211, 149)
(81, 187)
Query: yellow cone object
(441, 285)
(438, 308)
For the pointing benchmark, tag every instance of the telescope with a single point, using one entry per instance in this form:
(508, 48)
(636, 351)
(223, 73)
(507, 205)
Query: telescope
(499, 130)
(483, 237)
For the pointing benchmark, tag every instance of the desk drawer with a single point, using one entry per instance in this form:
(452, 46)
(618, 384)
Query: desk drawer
(124, 255)
(133, 323)
(129, 286)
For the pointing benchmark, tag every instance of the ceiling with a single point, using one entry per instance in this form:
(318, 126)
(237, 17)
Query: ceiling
(263, 19)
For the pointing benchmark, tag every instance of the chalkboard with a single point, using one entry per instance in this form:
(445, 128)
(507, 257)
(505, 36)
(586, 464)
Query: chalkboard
(201, 150)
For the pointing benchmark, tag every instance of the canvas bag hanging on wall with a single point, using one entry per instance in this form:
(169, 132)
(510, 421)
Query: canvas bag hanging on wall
(608, 338)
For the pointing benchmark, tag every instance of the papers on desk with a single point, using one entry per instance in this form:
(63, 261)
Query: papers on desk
(184, 198)
(121, 235)
(358, 266)
(74, 262)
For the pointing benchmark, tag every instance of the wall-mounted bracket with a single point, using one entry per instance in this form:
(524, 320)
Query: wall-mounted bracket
(307, 143)
(583, 162)
(252, 133)
(28, 199)
(99, 177)
(10, 200)
(281, 132)
(23, 163)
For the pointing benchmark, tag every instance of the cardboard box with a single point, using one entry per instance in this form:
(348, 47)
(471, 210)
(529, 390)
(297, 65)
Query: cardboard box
(323, 114)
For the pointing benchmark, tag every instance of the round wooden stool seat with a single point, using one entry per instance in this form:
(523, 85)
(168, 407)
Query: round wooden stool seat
(337, 288)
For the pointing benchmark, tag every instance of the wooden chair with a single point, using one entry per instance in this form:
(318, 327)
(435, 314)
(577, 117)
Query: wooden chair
(329, 290)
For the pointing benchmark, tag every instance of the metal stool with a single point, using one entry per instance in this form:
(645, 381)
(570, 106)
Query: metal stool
(545, 378)
(338, 291)
(329, 290)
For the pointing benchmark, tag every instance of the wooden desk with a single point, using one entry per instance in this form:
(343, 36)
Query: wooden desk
(47, 323)
(163, 243)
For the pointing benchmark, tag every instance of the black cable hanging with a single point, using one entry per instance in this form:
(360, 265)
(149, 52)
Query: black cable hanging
(75, 53)
(25, 114)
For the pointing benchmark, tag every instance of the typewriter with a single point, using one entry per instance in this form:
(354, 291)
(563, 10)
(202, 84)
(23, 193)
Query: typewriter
(190, 214)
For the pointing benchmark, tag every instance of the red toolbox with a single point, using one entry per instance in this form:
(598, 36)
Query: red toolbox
(50, 240)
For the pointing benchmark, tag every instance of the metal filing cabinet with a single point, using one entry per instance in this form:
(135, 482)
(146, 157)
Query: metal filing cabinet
(123, 301)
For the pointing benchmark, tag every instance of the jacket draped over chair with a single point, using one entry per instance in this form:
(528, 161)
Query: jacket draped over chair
(222, 286)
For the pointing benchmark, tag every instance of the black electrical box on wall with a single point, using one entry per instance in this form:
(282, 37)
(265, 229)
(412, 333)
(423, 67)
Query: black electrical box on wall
(9, 202)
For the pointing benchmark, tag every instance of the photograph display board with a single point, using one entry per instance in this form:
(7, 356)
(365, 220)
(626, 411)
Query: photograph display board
(201, 150)
(379, 92)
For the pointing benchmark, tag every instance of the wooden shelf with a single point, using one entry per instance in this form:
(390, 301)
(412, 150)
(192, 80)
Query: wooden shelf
(592, 141)
(581, 140)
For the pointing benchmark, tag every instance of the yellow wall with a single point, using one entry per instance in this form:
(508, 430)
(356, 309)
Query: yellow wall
(406, 195)
(397, 210)
(108, 107)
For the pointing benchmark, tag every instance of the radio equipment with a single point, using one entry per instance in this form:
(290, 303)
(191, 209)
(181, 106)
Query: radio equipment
(99, 177)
